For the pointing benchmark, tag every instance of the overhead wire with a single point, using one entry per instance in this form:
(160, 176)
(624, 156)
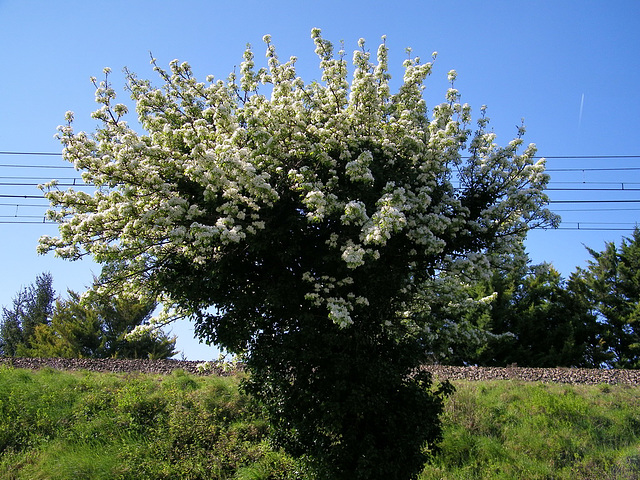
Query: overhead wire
(554, 186)
(562, 157)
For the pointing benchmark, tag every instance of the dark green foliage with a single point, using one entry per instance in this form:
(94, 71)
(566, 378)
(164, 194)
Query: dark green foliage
(611, 283)
(74, 327)
(348, 400)
(536, 319)
(32, 307)
(340, 396)
(117, 317)
(543, 322)
(11, 335)
(539, 319)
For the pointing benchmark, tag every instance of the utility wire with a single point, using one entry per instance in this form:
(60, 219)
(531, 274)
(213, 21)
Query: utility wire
(578, 169)
(552, 157)
(20, 196)
(558, 157)
(594, 201)
(554, 186)
(66, 167)
(58, 154)
(621, 186)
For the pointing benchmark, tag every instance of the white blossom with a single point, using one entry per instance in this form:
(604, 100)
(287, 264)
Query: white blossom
(353, 255)
(361, 167)
(358, 170)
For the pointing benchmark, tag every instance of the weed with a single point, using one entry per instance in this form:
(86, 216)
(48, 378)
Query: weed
(62, 425)
(505, 429)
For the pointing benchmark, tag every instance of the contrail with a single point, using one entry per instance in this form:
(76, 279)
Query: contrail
(581, 107)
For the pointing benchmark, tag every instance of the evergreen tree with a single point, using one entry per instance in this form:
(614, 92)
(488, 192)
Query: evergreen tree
(546, 323)
(611, 282)
(523, 314)
(100, 327)
(11, 335)
(32, 307)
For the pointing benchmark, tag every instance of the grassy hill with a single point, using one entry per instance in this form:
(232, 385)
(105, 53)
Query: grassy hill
(59, 425)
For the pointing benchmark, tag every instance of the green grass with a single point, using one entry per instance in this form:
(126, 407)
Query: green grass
(65, 425)
(513, 430)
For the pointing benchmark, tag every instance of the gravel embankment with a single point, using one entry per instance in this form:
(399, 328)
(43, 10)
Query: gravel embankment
(584, 376)
(549, 375)
(162, 367)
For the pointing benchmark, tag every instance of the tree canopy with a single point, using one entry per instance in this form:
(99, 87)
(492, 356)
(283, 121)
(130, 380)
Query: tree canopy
(32, 307)
(41, 324)
(611, 285)
(296, 225)
(98, 326)
(540, 319)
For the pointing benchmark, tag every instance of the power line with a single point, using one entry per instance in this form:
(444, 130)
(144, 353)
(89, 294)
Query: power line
(623, 187)
(32, 153)
(37, 166)
(594, 201)
(550, 201)
(44, 205)
(591, 206)
(551, 170)
(591, 224)
(13, 177)
(590, 229)
(587, 157)
(597, 210)
(26, 222)
(59, 184)
(40, 179)
(20, 196)
(578, 227)
(555, 157)
(588, 189)
(584, 182)
(578, 169)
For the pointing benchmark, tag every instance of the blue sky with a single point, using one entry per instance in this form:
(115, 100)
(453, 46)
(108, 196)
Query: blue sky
(570, 69)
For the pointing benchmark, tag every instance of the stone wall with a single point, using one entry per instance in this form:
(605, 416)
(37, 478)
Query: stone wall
(584, 376)
(163, 367)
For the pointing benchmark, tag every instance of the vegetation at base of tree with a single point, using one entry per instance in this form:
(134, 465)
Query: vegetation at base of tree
(98, 326)
(70, 425)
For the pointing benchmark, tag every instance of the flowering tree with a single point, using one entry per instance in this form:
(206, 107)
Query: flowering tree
(308, 217)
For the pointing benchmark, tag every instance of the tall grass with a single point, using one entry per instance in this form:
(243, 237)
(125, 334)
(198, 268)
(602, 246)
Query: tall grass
(63, 425)
(513, 430)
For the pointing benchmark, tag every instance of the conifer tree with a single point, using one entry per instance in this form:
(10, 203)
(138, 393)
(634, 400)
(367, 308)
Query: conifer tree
(611, 282)
(32, 307)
